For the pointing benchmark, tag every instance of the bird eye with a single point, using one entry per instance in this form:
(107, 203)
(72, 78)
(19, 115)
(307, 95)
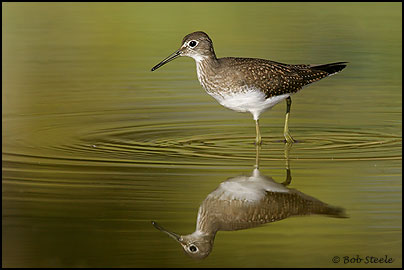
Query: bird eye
(192, 43)
(193, 248)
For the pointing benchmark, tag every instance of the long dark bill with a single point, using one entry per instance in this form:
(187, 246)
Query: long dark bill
(168, 59)
(175, 236)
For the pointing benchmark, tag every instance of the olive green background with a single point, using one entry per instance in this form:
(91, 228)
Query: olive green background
(95, 146)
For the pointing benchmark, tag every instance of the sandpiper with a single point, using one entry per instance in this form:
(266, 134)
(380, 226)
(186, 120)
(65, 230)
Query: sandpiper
(249, 84)
(244, 202)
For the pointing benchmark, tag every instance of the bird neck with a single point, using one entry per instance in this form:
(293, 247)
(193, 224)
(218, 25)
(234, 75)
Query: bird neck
(207, 69)
(206, 59)
(205, 223)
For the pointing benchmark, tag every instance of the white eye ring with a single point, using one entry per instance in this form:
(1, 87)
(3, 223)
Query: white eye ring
(193, 248)
(194, 43)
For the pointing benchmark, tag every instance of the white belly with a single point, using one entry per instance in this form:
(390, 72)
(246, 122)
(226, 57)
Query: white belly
(247, 99)
(247, 188)
(252, 101)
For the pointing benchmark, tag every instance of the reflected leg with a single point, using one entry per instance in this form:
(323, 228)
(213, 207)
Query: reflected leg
(257, 156)
(288, 179)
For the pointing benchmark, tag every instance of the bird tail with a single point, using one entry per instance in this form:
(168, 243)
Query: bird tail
(335, 211)
(331, 68)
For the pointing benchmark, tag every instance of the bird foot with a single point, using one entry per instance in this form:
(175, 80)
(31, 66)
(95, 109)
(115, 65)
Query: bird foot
(288, 138)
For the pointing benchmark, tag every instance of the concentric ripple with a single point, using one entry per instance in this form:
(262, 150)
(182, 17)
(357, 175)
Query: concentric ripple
(170, 142)
(200, 143)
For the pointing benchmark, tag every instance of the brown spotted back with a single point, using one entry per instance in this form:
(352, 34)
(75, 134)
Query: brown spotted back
(270, 77)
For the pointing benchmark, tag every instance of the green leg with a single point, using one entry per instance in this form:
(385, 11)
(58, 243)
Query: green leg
(258, 139)
(286, 132)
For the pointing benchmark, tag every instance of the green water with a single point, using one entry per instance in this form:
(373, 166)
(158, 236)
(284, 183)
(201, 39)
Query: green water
(95, 146)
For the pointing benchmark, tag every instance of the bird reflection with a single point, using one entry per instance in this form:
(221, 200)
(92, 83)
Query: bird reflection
(243, 202)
